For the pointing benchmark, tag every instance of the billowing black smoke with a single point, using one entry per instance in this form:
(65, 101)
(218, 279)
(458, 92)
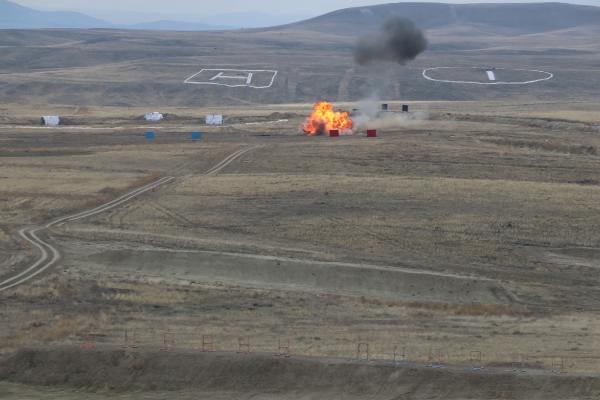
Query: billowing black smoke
(398, 41)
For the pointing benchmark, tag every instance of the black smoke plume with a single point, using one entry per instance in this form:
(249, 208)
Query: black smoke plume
(399, 40)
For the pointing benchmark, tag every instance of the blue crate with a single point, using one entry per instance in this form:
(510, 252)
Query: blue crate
(197, 135)
(150, 136)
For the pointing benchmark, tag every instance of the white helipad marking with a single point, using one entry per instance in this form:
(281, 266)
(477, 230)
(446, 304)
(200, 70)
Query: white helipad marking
(548, 76)
(491, 75)
(221, 77)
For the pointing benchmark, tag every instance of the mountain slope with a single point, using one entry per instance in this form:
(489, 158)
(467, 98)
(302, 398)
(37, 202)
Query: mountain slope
(14, 16)
(165, 25)
(507, 19)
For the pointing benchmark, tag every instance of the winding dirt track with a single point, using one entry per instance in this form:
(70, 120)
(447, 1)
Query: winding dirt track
(49, 255)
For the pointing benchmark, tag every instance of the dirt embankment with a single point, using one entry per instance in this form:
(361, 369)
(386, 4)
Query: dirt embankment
(295, 378)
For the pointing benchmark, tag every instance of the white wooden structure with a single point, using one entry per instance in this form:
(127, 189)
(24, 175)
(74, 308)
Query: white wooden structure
(51, 120)
(154, 116)
(214, 119)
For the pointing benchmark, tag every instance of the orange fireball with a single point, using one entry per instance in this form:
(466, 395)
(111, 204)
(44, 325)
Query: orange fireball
(324, 119)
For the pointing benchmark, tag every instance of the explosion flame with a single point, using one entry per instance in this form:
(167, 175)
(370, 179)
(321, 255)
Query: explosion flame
(323, 119)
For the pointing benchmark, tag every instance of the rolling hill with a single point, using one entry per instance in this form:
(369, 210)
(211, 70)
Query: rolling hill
(467, 19)
(14, 16)
(505, 19)
(165, 25)
(314, 58)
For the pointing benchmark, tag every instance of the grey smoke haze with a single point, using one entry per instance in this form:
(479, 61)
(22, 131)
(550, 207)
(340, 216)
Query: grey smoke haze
(398, 41)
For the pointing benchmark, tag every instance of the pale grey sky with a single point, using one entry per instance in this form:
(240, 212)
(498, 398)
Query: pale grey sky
(196, 10)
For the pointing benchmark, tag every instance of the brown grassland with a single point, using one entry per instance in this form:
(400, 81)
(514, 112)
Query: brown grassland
(469, 225)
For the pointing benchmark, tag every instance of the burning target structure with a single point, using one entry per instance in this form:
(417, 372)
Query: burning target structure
(398, 41)
(325, 120)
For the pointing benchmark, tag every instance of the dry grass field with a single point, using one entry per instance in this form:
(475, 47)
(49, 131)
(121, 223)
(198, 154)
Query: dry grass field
(469, 225)
(458, 232)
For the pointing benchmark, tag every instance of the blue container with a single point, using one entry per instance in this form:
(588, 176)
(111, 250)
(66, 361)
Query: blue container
(197, 135)
(150, 136)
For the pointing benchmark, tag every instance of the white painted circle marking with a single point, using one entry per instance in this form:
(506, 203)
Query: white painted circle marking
(548, 76)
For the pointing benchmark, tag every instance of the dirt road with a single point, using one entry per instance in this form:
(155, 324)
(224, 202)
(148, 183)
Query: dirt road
(50, 255)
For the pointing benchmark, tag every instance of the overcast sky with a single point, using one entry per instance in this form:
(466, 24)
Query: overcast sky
(199, 10)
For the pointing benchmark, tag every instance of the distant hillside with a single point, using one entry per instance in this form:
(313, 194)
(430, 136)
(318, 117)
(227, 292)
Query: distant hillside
(14, 16)
(469, 20)
(176, 26)
(507, 19)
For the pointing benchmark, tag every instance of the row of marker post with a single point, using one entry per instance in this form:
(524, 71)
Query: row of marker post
(197, 136)
(371, 133)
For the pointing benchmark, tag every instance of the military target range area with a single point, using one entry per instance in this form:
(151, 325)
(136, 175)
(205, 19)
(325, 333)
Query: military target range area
(395, 201)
